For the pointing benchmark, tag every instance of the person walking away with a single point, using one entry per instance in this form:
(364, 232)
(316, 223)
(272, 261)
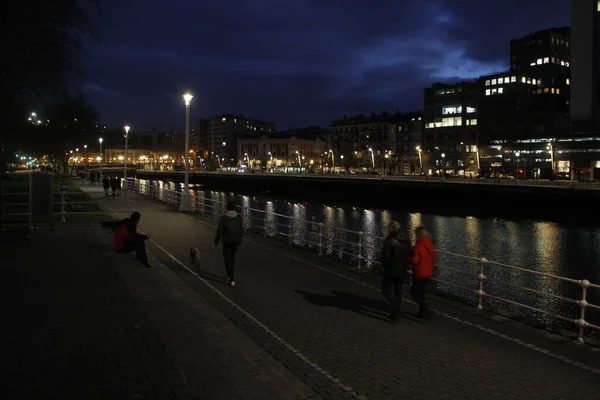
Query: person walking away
(113, 186)
(423, 260)
(231, 232)
(127, 239)
(394, 259)
(106, 184)
(93, 178)
(119, 184)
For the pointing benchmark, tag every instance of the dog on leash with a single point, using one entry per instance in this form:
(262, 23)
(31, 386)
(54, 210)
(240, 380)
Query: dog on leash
(194, 254)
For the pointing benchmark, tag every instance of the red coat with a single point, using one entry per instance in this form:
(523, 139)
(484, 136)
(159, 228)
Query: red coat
(423, 258)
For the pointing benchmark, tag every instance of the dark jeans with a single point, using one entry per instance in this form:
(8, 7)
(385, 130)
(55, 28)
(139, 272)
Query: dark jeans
(138, 246)
(392, 290)
(417, 292)
(229, 250)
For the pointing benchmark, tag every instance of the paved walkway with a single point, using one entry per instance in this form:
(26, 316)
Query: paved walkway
(79, 322)
(331, 332)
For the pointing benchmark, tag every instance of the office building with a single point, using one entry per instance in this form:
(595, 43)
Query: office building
(222, 136)
(451, 134)
(585, 54)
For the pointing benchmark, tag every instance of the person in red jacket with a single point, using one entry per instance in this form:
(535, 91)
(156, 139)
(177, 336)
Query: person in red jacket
(127, 239)
(423, 260)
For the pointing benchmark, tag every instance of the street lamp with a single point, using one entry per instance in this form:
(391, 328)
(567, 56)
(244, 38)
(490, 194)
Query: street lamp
(443, 164)
(127, 128)
(372, 157)
(332, 158)
(100, 140)
(517, 154)
(186, 204)
(550, 147)
(85, 155)
(419, 150)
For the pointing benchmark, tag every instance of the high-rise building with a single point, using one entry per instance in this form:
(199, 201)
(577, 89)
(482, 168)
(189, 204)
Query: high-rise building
(585, 54)
(451, 134)
(223, 132)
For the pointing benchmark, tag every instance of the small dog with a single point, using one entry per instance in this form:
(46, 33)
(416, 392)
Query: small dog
(194, 254)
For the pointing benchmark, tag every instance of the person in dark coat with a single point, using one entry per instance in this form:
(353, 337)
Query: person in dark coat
(127, 239)
(394, 260)
(106, 184)
(113, 185)
(231, 232)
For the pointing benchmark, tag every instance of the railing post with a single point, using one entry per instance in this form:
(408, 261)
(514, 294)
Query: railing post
(321, 239)
(265, 223)
(481, 278)
(360, 246)
(581, 322)
(62, 206)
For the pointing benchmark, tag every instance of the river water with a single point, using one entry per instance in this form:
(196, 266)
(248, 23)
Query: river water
(551, 248)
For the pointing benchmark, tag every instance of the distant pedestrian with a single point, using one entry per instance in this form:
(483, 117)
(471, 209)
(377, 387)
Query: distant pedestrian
(394, 259)
(106, 184)
(113, 185)
(231, 232)
(423, 260)
(118, 184)
(93, 178)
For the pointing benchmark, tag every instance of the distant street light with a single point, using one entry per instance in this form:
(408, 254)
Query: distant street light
(186, 199)
(85, 156)
(100, 140)
(127, 128)
(517, 155)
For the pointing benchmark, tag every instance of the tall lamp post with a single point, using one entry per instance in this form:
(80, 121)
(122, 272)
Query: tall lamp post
(517, 155)
(100, 140)
(85, 155)
(185, 198)
(550, 147)
(127, 128)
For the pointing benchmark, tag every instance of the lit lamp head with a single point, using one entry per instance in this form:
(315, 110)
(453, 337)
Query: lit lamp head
(187, 98)
(517, 154)
(85, 146)
(127, 128)
(100, 140)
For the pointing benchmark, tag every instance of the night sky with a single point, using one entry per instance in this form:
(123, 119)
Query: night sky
(295, 62)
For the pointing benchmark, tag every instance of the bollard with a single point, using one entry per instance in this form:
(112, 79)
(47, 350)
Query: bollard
(62, 207)
(360, 246)
(481, 277)
(581, 322)
(321, 239)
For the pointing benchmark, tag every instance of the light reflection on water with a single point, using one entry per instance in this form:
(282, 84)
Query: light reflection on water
(546, 247)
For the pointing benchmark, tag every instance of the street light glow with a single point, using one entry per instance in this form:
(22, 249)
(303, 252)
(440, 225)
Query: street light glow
(100, 140)
(127, 128)
(187, 98)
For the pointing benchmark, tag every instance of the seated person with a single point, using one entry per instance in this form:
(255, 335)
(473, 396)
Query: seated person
(127, 238)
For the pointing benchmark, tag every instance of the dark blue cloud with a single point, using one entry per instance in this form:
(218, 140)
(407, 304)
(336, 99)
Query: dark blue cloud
(296, 62)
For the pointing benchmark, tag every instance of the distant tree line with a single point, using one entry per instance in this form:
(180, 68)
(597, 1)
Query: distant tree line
(41, 47)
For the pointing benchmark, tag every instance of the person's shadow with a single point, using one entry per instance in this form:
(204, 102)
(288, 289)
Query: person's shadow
(376, 309)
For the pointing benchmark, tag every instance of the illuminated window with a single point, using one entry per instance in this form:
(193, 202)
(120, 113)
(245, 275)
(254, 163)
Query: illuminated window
(557, 91)
(534, 81)
(430, 125)
(524, 80)
(568, 80)
(562, 63)
(552, 90)
(546, 90)
(539, 91)
(500, 90)
(452, 121)
(494, 91)
(532, 64)
(546, 60)
(553, 60)
(471, 110)
(494, 81)
(598, 6)
(451, 110)
(487, 92)
(474, 121)
(500, 81)
(487, 83)
(513, 78)
(566, 64)
(235, 121)
(539, 61)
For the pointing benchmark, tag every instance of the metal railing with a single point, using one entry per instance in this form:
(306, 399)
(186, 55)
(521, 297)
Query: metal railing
(62, 206)
(549, 298)
(566, 184)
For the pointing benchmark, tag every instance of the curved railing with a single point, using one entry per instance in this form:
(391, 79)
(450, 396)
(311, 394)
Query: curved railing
(547, 297)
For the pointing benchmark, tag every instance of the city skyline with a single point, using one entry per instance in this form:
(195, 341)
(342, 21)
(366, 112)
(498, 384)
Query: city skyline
(306, 65)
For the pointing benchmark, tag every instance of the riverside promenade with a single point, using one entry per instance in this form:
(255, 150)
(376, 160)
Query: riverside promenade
(330, 329)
